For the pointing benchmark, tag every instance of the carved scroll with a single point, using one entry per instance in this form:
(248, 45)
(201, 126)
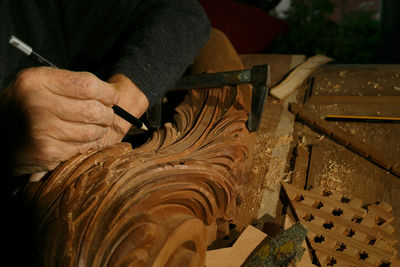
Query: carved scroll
(159, 204)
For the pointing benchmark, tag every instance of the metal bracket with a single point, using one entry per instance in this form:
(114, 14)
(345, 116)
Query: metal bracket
(257, 76)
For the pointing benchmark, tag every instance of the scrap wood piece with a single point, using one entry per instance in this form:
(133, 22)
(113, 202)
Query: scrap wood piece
(238, 253)
(298, 76)
(344, 231)
(346, 139)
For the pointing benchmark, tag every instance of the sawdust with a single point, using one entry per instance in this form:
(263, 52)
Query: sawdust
(276, 165)
(336, 87)
(337, 172)
(375, 85)
(265, 142)
(283, 140)
(342, 73)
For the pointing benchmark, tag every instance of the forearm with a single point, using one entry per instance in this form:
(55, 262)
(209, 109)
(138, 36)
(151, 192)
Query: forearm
(161, 43)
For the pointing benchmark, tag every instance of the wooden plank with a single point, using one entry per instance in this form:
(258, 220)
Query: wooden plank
(348, 140)
(353, 100)
(278, 164)
(301, 166)
(316, 164)
(260, 186)
(357, 80)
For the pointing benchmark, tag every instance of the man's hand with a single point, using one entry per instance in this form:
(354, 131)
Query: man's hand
(69, 113)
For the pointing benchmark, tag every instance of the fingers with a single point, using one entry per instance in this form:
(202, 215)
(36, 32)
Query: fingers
(83, 111)
(47, 90)
(69, 113)
(80, 85)
(69, 131)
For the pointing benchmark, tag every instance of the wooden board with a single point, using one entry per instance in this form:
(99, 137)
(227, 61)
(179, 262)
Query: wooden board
(262, 189)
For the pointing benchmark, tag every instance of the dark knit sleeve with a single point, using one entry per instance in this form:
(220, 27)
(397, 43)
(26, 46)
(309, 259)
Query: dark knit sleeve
(160, 43)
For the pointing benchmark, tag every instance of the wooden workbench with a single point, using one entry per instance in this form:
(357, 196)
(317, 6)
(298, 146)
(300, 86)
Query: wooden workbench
(354, 90)
(331, 89)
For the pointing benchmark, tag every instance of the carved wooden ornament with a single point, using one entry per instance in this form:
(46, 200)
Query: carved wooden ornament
(159, 204)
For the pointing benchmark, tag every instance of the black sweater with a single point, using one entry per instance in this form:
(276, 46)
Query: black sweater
(150, 41)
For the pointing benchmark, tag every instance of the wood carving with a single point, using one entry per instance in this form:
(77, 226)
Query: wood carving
(162, 203)
(343, 231)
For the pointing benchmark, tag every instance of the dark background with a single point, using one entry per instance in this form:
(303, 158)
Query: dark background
(350, 31)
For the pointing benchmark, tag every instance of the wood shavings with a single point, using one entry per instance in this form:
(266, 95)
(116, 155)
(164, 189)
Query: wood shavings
(336, 87)
(283, 140)
(375, 85)
(334, 174)
(342, 73)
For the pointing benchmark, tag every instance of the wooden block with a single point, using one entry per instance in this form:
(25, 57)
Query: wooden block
(238, 253)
